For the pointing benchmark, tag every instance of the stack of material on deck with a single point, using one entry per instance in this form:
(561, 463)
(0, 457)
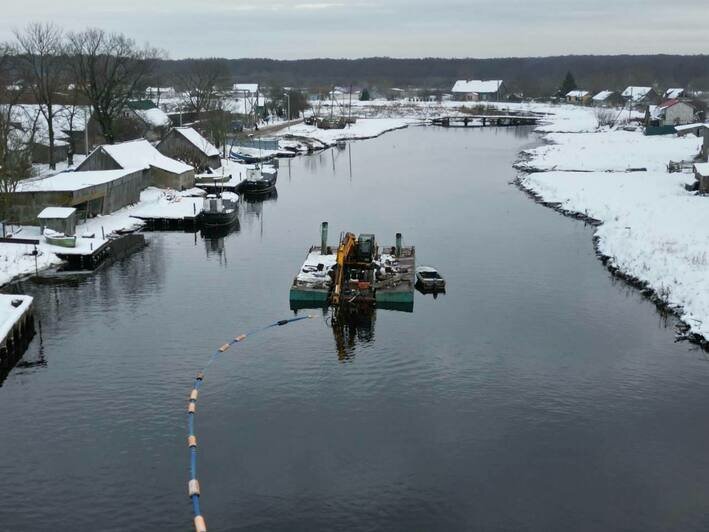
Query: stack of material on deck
(316, 269)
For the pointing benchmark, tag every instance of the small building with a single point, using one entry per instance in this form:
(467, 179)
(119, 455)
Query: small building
(90, 193)
(675, 93)
(477, 90)
(701, 172)
(159, 170)
(157, 93)
(670, 113)
(60, 219)
(189, 146)
(641, 95)
(578, 96)
(608, 98)
(246, 90)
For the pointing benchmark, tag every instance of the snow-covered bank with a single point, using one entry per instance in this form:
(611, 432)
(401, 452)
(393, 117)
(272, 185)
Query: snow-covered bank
(652, 231)
(363, 128)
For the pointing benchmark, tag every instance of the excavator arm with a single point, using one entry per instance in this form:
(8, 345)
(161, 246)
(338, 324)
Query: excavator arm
(347, 246)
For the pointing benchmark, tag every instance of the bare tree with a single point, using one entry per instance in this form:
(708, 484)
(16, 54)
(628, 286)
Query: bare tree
(41, 54)
(15, 152)
(110, 69)
(199, 84)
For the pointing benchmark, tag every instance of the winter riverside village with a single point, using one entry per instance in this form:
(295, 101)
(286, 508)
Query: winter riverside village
(306, 273)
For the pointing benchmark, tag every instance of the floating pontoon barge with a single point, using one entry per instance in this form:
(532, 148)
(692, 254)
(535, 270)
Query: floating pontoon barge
(357, 273)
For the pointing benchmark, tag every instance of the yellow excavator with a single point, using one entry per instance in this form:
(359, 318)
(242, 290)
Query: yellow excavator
(347, 245)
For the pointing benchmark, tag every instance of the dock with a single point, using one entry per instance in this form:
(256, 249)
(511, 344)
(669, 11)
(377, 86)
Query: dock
(108, 250)
(506, 120)
(16, 328)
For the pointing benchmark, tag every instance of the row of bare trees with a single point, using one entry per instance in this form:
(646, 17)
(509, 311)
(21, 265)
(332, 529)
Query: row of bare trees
(104, 69)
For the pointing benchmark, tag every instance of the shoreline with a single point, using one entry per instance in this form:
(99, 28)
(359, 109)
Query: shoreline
(643, 287)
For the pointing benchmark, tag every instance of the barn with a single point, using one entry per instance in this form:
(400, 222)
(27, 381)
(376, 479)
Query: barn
(159, 170)
(189, 146)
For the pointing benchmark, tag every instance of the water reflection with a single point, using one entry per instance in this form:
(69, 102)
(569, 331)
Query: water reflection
(350, 327)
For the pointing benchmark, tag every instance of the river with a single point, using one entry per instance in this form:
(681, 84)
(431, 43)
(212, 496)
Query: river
(538, 394)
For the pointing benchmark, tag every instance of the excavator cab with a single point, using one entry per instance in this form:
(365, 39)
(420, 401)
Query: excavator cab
(366, 248)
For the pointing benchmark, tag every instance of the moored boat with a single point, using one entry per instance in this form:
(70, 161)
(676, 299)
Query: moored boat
(55, 238)
(218, 212)
(259, 181)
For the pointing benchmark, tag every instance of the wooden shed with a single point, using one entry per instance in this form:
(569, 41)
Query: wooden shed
(189, 146)
(90, 193)
(159, 170)
(60, 219)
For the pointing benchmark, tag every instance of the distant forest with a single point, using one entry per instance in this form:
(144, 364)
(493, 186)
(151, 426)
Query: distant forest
(532, 76)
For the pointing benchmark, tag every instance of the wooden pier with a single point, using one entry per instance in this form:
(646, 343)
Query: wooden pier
(112, 249)
(485, 121)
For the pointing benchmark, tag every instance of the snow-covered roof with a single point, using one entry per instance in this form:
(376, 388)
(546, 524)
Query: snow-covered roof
(636, 93)
(674, 93)
(702, 169)
(71, 181)
(477, 85)
(154, 117)
(577, 94)
(142, 154)
(251, 88)
(689, 127)
(56, 212)
(602, 96)
(198, 141)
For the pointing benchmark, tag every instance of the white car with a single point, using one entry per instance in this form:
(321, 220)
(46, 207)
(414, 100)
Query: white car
(429, 278)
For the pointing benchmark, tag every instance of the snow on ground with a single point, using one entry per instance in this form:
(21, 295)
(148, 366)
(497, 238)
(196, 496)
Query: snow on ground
(315, 270)
(608, 150)
(9, 314)
(652, 228)
(364, 128)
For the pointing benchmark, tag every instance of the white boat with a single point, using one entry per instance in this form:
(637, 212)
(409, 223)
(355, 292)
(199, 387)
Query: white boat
(428, 278)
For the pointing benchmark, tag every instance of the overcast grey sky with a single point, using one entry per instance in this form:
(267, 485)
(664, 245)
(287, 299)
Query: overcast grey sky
(396, 28)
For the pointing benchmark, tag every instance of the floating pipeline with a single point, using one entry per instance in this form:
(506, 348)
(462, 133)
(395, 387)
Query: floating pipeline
(193, 484)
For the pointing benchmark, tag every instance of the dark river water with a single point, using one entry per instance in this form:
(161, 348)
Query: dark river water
(538, 394)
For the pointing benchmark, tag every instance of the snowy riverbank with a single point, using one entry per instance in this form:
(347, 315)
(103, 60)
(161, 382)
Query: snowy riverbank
(652, 231)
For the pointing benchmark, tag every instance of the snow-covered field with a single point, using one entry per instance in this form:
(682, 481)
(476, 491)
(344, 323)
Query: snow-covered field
(652, 229)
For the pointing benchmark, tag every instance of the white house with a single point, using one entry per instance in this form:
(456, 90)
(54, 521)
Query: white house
(248, 90)
(672, 113)
(479, 90)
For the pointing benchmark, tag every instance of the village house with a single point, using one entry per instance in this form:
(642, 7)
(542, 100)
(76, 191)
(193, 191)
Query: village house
(141, 119)
(158, 170)
(670, 113)
(608, 98)
(641, 95)
(578, 96)
(479, 90)
(245, 90)
(90, 193)
(158, 93)
(673, 94)
(189, 146)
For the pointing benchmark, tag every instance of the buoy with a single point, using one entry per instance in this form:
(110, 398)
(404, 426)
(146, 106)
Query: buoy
(200, 376)
(191, 408)
(192, 441)
(223, 348)
(240, 337)
(194, 394)
(193, 487)
(199, 524)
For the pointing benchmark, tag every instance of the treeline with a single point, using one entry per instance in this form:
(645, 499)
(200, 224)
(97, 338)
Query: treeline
(532, 76)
